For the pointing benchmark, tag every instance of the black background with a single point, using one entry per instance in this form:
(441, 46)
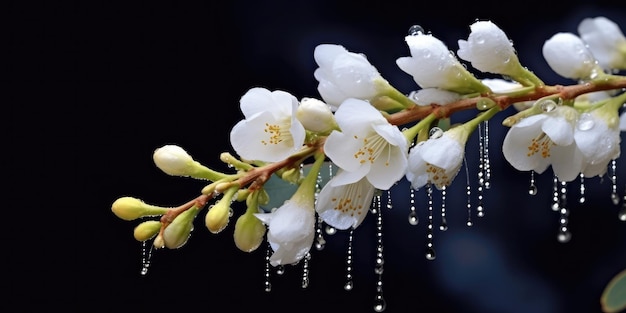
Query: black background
(93, 87)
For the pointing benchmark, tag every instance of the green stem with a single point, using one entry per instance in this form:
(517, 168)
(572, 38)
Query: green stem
(412, 132)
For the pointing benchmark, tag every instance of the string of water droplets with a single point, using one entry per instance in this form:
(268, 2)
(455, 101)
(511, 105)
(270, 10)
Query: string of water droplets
(379, 301)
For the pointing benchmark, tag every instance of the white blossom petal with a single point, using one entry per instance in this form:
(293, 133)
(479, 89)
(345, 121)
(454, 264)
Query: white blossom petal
(345, 206)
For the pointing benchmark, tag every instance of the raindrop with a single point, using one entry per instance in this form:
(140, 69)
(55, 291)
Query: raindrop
(430, 254)
(416, 30)
(268, 285)
(305, 271)
(547, 105)
(564, 236)
(622, 214)
(146, 257)
(330, 230)
(435, 133)
(585, 122)
(582, 188)
(379, 304)
(614, 195)
(413, 219)
(349, 284)
(532, 190)
(320, 242)
(430, 251)
(468, 192)
(444, 223)
(280, 269)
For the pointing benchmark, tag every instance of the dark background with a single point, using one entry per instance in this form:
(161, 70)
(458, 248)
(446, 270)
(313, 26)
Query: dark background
(93, 87)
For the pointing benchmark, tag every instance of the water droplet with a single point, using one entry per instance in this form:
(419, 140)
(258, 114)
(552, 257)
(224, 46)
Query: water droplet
(378, 270)
(430, 254)
(564, 236)
(280, 269)
(547, 105)
(585, 122)
(469, 223)
(622, 215)
(330, 230)
(268, 286)
(532, 190)
(348, 286)
(320, 244)
(416, 30)
(435, 133)
(443, 226)
(413, 219)
(379, 304)
(484, 104)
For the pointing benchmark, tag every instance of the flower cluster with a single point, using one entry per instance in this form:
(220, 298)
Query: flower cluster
(376, 135)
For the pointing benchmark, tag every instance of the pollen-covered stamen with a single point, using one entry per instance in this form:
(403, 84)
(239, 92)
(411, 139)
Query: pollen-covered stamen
(351, 202)
(438, 176)
(540, 144)
(373, 146)
(277, 134)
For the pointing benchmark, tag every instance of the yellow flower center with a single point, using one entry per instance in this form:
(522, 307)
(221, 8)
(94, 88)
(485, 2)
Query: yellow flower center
(373, 146)
(540, 144)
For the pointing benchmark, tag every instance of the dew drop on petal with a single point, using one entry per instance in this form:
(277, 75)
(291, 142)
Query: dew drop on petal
(547, 105)
(416, 30)
(585, 122)
(435, 133)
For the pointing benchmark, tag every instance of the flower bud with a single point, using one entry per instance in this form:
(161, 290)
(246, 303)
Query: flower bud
(177, 233)
(129, 208)
(218, 215)
(569, 57)
(146, 230)
(249, 232)
(173, 160)
(315, 115)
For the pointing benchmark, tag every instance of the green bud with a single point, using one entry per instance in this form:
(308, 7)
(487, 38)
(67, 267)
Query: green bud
(147, 230)
(218, 215)
(177, 233)
(249, 232)
(129, 208)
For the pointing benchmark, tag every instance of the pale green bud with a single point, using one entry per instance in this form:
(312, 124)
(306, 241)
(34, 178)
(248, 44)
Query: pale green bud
(249, 232)
(174, 160)
(129, 208)
(177, 233)
(146, 230)
(217, 217)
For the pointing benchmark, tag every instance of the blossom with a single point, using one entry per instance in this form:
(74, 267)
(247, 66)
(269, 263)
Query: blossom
(315, 115)
(270, 131)
(597, 137)
(605, 40)
(569, 57)
(344, 206)
(367, 146)
(489, 50)
(438, 159)
(545, 139)
(291, 231)
(433, 65)
(343, 74)
(291, 227)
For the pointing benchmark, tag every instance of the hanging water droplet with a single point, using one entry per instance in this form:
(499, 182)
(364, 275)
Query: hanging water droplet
(379, 304)
(413, 219)
(443, 226)
(585, 122)
(435, 133)
(416, 30)
(146, 257)
(330, 230)
(547, 105)
(280, 269)
(532, 190)
(430, 254)
(615, 198)
(320, 244)
(564, 236)
(348, 286)
(622, 215)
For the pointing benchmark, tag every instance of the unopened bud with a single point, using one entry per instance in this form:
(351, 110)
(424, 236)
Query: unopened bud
(146, 230)
(177, 233)
(315, 115)
(129, 208)
(218, 215)
(174, 160)
(249, 232)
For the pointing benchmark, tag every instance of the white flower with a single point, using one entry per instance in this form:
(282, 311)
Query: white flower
(367, 146)
(315, 115)
(345, 206)
(291, 230)
(569, 57)
(428, 96)
(438, 159)
(489, 50)
(433, 65)
(499, 85)
(343, 74)
(605, 40)
(598, 140)
(270, 131)
(174, 160)
(545, 139)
